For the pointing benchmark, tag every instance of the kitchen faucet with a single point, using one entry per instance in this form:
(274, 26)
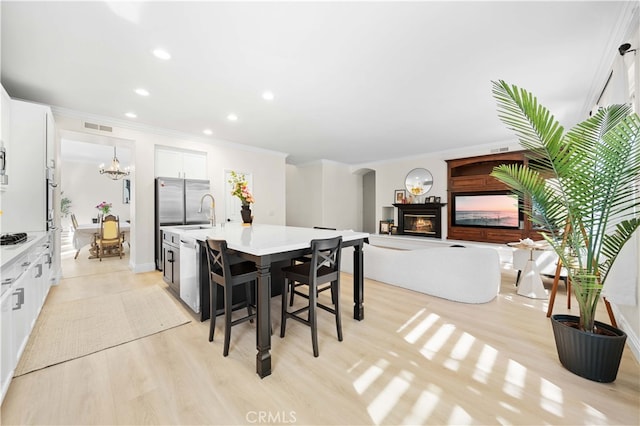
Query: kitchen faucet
(212, 208)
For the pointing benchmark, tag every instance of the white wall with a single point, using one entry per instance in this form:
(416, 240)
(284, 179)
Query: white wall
(369, 202)
(86, 188)
(324, 193)
(268, 169)
(304, 195)
(342, 201)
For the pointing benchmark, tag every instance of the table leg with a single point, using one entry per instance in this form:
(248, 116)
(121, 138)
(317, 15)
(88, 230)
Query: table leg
(531, 284)
(358, 282)
(263, 334)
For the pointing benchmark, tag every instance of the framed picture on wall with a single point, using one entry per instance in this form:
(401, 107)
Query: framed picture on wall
(126, 191)
(385, 227)
(437, 200)
(399, 196)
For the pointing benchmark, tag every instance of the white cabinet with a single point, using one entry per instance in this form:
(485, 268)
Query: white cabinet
(194, 166)
(7, 352)
(26, 283)
(180, 164)
(24, 200)
(23, 309)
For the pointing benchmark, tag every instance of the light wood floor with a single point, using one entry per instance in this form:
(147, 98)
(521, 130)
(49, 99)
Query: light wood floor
(415, 359)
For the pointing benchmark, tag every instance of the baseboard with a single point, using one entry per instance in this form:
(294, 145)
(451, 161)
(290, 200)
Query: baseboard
(143, 267)
(633, 342)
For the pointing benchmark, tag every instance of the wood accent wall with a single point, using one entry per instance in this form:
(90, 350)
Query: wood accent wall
(472, 175)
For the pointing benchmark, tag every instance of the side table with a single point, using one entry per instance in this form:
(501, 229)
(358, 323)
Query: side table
(530, 282)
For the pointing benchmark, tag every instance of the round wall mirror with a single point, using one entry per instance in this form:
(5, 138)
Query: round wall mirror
(418, 181)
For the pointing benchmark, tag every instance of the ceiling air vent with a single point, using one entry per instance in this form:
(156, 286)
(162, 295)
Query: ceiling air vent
(503, 149)
(100, 127)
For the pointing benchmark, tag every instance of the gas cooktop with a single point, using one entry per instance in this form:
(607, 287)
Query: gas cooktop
(11, 239)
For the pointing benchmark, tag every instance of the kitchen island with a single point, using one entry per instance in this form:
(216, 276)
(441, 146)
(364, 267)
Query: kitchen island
(267, 245)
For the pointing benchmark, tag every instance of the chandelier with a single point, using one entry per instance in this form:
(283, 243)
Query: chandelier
(114, 172)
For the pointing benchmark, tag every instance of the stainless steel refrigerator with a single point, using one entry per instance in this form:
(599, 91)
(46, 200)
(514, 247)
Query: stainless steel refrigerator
(177, 202)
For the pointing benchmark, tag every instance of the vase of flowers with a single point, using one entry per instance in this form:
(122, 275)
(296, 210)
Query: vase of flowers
(240, 189)
(104, 208)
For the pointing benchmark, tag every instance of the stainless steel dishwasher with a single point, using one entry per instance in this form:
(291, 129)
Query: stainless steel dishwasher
(190, 272)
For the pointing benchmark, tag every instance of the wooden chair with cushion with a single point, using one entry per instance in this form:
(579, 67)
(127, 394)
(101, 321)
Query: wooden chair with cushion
(74, 225)
(109, 239)
(74, 221)
(323, 268)
(227, 275)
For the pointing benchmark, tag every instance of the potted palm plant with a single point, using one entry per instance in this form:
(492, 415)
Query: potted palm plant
(581, 187)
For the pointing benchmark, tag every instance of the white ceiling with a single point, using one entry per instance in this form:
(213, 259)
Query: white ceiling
(354, 82)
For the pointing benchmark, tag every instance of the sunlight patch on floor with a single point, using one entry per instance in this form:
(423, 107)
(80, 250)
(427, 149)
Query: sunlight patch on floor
(484, 366)
(384, 402)
(514, 379)
(435, 343)
(424, 406)
(509, 407)
(596, 416)
(411, 320)
(67, 253)
(551, 397)
(460, 351)
(362, 383)
(421, 328)
(459, 417)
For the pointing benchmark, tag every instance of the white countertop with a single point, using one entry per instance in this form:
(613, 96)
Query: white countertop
(9, 253)
(262, 239)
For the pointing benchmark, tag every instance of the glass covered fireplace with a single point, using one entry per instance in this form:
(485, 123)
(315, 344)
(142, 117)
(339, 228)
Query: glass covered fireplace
(420, 219)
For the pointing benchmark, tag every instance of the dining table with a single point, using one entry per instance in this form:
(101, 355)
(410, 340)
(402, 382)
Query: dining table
(85, 234)
(264, 245)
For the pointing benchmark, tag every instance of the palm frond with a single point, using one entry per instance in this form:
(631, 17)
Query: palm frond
(588, 178)
(534, 125)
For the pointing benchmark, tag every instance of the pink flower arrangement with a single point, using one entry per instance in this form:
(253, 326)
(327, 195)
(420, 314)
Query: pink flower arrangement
(104, 207)
(241, 188)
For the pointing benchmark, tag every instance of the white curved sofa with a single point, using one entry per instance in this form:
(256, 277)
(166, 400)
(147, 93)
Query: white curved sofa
(469, 274)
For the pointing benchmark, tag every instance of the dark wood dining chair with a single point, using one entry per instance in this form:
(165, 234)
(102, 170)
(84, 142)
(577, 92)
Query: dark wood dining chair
(295, 285)
(223, 273)
(323, 268)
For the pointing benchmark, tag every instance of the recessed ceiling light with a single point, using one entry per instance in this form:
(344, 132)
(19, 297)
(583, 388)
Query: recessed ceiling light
(232, 117)
(142, 92)
(207, 132)
(267, 96)
(131, 115)
(161, 54)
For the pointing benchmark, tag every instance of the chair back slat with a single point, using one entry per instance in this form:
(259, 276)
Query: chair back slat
(325, 259)
(218, 260)
(74, 221)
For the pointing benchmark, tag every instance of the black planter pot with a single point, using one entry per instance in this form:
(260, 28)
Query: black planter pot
(592, 356)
